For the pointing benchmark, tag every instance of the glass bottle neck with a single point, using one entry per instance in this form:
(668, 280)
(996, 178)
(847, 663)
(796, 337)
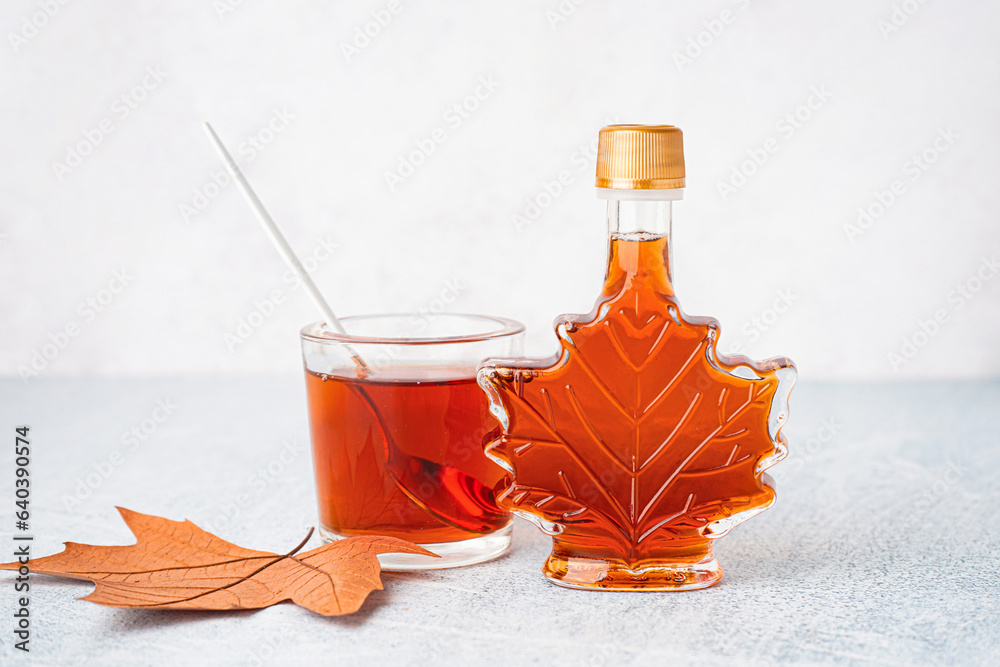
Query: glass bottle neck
(639, 215)
(639, 245)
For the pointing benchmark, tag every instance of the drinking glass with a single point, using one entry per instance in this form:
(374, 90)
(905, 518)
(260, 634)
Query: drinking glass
(398, 426)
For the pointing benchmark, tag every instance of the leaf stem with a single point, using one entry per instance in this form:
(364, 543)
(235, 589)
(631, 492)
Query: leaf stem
(301, 544)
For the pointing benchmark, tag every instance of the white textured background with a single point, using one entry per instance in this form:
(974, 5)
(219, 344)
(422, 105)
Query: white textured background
(895, 75)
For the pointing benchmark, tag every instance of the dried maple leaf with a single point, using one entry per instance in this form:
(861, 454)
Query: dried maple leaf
(177, 565)
(637, 442)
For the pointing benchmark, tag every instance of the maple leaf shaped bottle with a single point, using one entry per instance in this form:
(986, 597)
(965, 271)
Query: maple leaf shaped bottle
(637, 443)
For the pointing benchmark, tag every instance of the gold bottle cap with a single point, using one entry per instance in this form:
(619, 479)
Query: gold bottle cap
(640, 157)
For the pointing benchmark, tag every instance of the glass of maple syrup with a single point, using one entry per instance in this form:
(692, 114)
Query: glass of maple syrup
(398, 426)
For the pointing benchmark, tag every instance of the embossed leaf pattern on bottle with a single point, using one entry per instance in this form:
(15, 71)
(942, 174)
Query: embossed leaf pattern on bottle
(637, 439)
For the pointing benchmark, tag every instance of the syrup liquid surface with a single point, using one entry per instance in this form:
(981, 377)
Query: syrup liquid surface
(401, 454)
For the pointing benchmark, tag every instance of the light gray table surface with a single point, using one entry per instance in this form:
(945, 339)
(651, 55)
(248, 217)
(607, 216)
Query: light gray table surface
(882, 548)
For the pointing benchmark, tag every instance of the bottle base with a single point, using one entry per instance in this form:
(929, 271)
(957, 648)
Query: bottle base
(615, 575)
(452, 554)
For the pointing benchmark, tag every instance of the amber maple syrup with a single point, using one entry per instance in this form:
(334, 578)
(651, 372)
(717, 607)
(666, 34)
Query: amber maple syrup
(637, 443)
(401, 454)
